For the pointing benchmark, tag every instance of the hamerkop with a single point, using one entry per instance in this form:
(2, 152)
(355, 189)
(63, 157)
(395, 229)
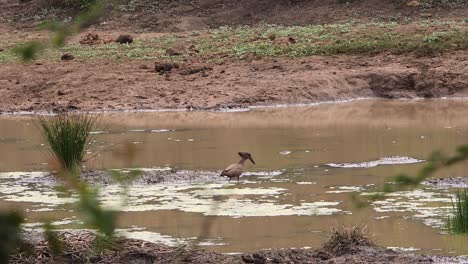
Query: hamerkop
(236, 169)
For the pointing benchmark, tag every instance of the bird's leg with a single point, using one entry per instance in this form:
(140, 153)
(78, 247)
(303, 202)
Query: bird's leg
(238, 179)
(229, 179)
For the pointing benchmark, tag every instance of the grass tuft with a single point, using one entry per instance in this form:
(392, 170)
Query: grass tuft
(347, 241)
(458, 222)
(68, 137)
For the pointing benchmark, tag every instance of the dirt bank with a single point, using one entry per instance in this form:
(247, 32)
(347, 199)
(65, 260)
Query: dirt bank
(134, 84)
(184, 15)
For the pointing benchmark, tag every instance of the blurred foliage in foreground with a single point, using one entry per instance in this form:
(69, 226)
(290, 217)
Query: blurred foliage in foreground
(458, 221)
(94, 216)
(29, 50)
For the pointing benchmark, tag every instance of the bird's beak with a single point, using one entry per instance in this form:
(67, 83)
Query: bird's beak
(252, 160)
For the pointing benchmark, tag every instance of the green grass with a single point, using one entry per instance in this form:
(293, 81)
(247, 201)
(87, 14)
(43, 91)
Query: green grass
(272, 41)
(68, 137)
(458, 222)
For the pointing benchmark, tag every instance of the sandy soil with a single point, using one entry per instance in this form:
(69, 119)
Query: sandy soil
(109, 85)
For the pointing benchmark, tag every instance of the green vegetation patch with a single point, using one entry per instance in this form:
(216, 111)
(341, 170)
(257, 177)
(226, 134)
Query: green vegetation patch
(423, 38)
(458, 222)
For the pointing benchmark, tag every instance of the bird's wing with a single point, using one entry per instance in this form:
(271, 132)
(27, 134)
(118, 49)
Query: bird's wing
(230, 167)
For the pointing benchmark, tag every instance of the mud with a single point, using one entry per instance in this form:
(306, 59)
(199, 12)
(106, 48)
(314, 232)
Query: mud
(135, 85)
(149, 176)
(450, 182)
(78, 245)
(146, 176)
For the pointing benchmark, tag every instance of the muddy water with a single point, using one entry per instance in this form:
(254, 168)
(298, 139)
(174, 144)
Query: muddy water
(309, 161)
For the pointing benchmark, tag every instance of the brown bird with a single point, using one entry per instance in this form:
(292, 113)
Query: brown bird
(236, 169)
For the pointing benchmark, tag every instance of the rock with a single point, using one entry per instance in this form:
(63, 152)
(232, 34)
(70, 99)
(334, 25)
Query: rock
(165, 67)
(72, 107)
(194, 49)
(90, 39)
(414, 3)
(60, 93)
(67, 57)
(124, 39)
(193, 70)
(322, 255)
(276, 260)
(425, 15)
(172, 52)
(247, 259)
(259, 259)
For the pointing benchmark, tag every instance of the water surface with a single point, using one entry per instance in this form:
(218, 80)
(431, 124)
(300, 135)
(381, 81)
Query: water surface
(309, 161)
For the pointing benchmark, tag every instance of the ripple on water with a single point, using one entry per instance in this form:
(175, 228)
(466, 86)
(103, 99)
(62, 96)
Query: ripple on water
(263, 174)
(345, 189)
(382, 161)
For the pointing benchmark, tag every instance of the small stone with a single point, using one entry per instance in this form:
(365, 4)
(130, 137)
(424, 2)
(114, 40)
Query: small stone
(67, 57)
(276, 260)
(60, 93)
(172, 52)
(124, 39)
(247, 259)
(259, 259)
(165, 67)
(414, 3)
(425, 15)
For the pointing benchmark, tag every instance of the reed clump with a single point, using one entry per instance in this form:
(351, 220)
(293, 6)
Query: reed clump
(458, 222)
(68, 137)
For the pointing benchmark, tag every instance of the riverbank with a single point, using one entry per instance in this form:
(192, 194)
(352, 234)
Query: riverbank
(134, 84)
(343, 246)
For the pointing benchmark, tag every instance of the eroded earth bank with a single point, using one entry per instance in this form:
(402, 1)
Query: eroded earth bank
(130, 84)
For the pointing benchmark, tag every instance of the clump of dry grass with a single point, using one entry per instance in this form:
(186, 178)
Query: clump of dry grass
(347, 240)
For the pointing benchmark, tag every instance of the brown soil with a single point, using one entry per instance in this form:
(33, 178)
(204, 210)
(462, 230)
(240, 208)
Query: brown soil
(131, 84)
(184, 15)
(109, 85)
(78, 244)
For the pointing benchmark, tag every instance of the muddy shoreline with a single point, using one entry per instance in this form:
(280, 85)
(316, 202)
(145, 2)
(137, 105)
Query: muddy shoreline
(134, 85)
(345, 250)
